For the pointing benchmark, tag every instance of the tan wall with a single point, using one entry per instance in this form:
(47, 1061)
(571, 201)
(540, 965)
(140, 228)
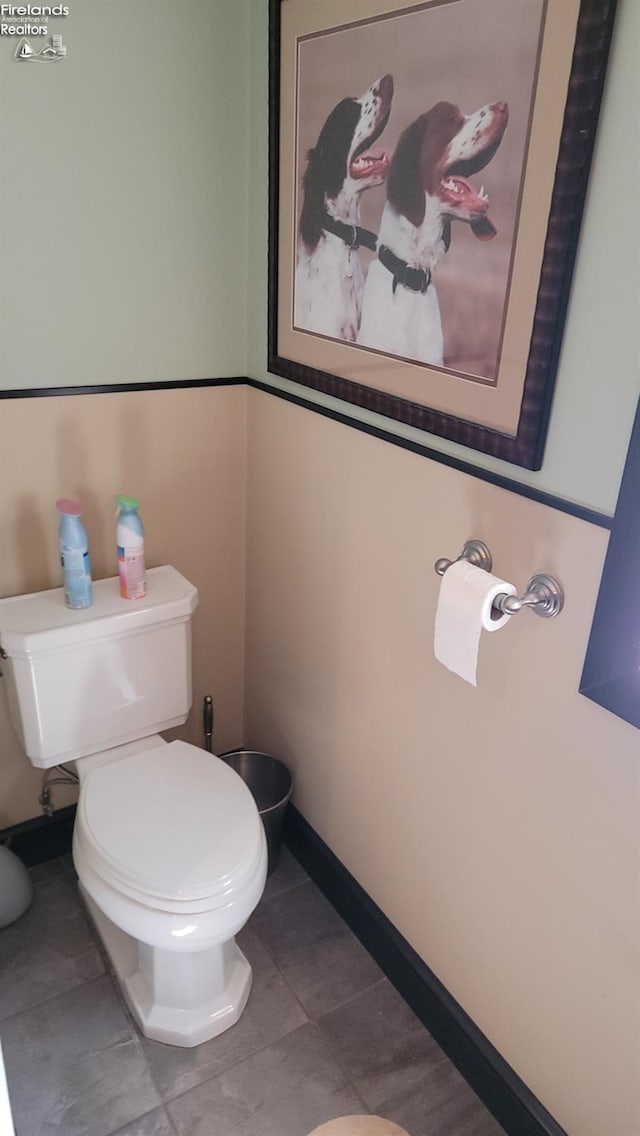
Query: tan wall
(182, 452)
(497, 827)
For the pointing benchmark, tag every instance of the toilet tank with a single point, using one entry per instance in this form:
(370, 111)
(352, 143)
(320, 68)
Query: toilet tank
(82, 681)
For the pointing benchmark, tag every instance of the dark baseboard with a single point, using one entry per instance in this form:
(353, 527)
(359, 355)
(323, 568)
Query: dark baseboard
(42, 838)
(505, 1095)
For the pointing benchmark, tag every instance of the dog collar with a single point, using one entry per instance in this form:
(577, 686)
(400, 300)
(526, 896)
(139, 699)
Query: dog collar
(353, 235)
(415, 279)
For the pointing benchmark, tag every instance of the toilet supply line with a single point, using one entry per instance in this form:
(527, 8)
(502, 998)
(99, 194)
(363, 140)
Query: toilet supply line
(207, 722)
(45, 800)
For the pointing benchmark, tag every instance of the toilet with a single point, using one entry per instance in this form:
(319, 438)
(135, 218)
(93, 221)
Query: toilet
(168, 843)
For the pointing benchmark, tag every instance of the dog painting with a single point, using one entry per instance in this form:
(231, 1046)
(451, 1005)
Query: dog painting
(340, 167)
(427, 190)
(408, 193)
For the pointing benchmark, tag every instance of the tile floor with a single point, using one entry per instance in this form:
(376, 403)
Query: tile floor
(324, 1034)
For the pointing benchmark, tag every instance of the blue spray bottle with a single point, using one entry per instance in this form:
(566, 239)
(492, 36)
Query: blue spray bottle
(74, 555)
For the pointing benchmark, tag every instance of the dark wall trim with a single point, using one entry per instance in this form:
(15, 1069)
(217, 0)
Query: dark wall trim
(498, 1086)
(592, 516)
(42, 838)
(118, 388)
(582, 512)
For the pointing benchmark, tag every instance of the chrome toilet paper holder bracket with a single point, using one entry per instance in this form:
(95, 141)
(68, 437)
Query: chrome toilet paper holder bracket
(544, 594)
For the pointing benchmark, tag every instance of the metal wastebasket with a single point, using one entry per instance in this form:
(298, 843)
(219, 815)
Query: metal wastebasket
(270, 783)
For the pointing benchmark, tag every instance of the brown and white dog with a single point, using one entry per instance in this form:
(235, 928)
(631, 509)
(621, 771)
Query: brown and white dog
(329, 278)
(427, 189)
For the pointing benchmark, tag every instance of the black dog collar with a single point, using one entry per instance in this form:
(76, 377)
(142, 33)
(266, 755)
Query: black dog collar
(353, 236)
(415, 279)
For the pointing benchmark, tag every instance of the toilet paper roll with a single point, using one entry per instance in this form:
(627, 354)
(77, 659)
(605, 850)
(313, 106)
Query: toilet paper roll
(464, 610)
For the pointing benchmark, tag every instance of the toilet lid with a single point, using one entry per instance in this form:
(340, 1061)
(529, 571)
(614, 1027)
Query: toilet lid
(172, 822)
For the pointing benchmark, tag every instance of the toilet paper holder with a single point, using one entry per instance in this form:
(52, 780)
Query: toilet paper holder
(544, 595)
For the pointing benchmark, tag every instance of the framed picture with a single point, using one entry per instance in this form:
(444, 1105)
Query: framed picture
(611, 675)
(428, 168)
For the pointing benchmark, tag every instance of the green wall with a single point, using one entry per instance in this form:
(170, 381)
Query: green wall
(123, 182)
(599, 375)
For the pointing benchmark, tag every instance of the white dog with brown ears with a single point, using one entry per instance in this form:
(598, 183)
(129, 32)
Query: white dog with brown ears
(427, 189)
(329, 278)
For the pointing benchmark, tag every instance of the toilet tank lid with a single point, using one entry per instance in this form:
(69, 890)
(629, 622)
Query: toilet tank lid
(42, 622)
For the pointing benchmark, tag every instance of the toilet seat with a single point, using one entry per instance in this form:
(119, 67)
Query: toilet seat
(172, 827)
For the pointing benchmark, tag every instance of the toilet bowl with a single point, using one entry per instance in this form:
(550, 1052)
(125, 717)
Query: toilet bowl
(171, 883)
(168, 843)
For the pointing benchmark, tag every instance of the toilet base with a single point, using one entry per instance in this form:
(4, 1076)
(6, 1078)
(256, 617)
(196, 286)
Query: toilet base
(181, 999)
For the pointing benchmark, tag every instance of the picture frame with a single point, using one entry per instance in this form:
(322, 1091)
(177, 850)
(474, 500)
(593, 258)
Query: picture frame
(610, 674)
(501, 319)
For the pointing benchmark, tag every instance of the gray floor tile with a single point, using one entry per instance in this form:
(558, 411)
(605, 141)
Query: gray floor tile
(59, 866)
(49, 950)
(73, 1066)
(315, 950)
(285, 1090)
(288, 874)
(272, 1011)
(399, 1070)
(273, 1074)
(380, 1043)
(156, 1123)
(445, 1108)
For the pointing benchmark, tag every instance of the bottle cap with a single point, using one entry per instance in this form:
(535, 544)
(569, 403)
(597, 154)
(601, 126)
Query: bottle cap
(69, 508)
(126, 503)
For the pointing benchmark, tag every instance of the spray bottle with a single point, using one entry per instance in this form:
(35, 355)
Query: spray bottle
(74, 555)
(130, 542)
